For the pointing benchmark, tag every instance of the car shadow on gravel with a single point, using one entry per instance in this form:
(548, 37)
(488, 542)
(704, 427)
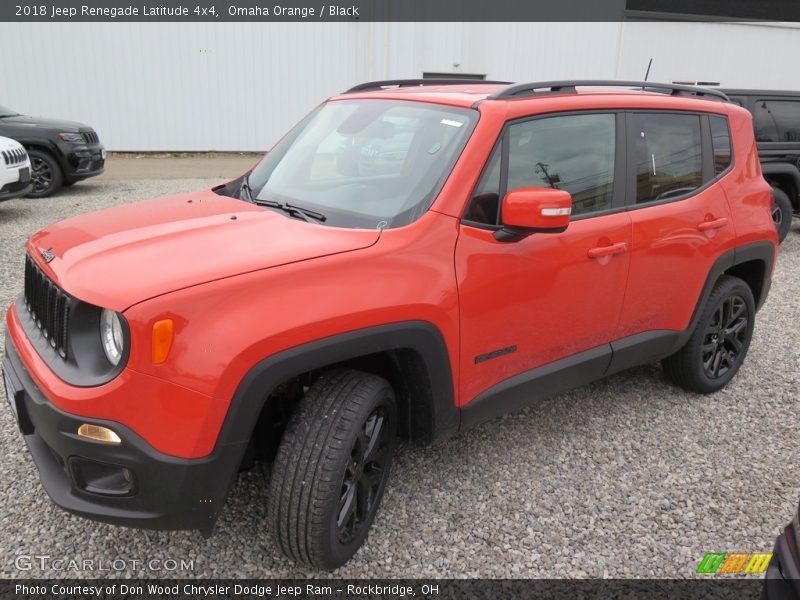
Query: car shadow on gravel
(13, 211)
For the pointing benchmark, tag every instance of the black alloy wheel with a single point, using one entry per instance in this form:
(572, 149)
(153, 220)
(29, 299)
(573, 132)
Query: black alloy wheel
(46, 175)
(364, 475)
(41, 175)
(718, 345)
(725, 336)
(332, 467)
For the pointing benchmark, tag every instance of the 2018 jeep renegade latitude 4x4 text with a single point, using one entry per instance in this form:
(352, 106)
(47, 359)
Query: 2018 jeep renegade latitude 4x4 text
(408, 261)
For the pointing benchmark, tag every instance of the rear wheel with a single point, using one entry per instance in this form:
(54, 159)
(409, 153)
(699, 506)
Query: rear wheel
(720, 341)
(332, 468)
(46, 175)
(781, 212)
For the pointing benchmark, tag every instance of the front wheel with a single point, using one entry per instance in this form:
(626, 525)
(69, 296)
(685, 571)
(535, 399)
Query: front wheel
(332, 468)
(46, 175)
(720, 340)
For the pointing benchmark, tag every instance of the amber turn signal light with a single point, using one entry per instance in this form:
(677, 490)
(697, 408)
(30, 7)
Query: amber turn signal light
(163, 334)
(98, 433)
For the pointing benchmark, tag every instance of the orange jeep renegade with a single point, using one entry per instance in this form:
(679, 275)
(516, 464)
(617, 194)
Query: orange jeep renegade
(413, 258)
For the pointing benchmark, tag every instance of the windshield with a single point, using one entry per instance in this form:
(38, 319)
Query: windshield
(365, 163)
(7, 112)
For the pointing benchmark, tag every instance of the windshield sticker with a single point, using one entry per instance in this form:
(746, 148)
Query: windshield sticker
(435, 146)
(451, 123)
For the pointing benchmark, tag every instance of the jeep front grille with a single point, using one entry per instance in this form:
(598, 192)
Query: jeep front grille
(48, 306)
(90, 137)
(17, 156)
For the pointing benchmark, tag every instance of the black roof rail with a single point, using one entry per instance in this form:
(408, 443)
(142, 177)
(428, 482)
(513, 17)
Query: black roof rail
(520, 90)
(398, 83)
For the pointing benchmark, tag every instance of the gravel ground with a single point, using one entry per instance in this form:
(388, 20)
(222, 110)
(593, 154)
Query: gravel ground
(628, 477)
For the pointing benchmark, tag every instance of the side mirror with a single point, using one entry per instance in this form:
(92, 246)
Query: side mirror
(534, 210)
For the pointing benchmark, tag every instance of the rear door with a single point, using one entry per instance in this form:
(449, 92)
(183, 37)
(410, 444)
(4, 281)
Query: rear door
(680, 215)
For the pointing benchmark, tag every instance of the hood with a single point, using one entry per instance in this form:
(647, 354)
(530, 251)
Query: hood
(118, 257)
(9, 144)
(43, 123)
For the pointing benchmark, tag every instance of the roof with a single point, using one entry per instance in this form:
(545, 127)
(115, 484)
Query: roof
(464, 95)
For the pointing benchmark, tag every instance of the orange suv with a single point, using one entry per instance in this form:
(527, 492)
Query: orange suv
(413, 258)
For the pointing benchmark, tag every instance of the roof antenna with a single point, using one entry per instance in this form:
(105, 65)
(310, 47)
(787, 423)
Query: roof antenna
(647, 74)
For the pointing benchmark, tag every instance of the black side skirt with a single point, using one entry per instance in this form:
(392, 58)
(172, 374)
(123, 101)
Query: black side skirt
(568, 373)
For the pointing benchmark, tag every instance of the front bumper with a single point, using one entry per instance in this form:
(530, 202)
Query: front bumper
(83, 160)
(129, 483)
(15, 190)
(15, 180)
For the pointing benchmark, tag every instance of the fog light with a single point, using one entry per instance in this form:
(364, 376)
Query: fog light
(98, 434)
(101, 478)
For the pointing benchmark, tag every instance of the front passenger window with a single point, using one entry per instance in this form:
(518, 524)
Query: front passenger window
(575, 153)
(572, 152)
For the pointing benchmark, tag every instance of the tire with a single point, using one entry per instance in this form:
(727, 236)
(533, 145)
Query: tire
(709, 360)
(781, 212)
(45, 173)
(336, 453)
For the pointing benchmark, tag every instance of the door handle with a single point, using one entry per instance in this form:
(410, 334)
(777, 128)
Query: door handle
(714, 224)
(601, 251)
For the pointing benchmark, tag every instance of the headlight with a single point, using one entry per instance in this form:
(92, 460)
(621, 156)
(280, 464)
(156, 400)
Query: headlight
(71, 137)
(111, 336)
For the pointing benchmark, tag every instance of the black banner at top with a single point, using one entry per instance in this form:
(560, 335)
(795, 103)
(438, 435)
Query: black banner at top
(392, 10)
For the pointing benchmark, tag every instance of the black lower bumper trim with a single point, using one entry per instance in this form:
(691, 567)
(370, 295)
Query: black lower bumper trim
(169, 492)
(14, 190)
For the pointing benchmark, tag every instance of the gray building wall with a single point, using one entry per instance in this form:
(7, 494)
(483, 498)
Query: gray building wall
(240, 86)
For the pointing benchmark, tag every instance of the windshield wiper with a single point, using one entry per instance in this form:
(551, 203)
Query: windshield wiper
(293, 210)
(245, 188)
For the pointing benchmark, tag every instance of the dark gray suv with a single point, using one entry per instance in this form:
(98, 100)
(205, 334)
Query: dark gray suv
(776, 119)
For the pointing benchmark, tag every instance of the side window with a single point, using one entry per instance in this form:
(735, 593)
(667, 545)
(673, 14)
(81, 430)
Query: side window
(721, 143)
(668, 153)
(575, 153)
(572, 152)
(485, 203)
(777, 120)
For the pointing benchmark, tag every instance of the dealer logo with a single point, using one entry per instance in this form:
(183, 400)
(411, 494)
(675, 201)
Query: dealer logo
(720, 563)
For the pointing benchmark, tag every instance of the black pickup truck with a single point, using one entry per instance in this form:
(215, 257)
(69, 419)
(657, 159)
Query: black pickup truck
(61, 152)
(776, 118)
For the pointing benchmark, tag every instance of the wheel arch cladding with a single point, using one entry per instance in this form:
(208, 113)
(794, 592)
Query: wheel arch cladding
(414, 352)
(751, 263)
(752, 273)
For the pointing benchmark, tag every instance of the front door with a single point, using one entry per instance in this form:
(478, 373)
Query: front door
(547, 296)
